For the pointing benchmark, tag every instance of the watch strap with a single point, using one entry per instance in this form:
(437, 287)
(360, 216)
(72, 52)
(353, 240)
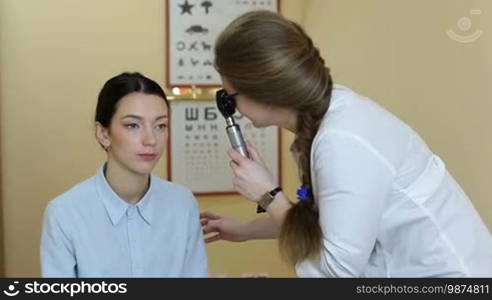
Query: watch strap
(267, 198)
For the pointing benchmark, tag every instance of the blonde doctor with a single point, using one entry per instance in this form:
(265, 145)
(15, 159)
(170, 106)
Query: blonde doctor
(374, 201)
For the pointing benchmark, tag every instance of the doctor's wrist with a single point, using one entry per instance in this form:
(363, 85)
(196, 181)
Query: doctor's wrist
(267, 198)
(278, 209)
(263, 190)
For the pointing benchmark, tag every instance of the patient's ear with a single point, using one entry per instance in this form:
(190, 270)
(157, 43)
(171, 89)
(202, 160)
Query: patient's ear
(102, 136)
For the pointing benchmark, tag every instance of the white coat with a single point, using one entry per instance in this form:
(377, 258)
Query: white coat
(387, 205)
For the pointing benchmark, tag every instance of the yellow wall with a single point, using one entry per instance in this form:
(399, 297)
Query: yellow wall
(398, 52)
(55, 55)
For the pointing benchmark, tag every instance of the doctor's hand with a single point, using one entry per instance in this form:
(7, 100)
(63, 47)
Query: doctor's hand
(219, 227)
(251, 177)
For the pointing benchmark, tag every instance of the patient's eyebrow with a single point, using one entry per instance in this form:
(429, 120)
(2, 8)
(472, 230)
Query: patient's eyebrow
(141, 118)
(132, 116)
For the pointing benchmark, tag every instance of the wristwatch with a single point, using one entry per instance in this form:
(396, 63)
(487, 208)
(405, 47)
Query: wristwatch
(266, 199)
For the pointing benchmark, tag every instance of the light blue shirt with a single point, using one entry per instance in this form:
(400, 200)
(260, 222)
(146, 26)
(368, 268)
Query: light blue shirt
(89, 231)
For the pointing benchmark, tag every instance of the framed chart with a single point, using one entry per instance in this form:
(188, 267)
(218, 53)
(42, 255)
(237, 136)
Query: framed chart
(198, 144)
(192, 27)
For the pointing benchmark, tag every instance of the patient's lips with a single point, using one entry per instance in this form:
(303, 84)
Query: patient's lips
(147, 156)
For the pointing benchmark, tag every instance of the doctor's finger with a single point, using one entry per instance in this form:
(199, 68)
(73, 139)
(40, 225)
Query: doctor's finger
(254, 154)
(209, 215)
(237, 157)
(213, 238)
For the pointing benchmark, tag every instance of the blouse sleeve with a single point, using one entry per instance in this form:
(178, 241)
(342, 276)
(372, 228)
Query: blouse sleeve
(351, 182)
(196, 264)
(57, 253)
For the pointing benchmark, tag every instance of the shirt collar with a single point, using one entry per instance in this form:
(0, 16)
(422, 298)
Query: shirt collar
(145, 205)
(117, 207)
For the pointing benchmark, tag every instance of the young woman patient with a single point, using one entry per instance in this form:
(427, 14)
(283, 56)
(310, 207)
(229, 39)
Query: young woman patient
(125, 222)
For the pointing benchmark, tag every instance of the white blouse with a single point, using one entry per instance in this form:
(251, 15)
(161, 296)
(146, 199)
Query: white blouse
(388, 207)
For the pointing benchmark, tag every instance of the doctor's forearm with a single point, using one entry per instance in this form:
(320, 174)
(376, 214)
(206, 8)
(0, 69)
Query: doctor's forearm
(278, 208)
(262, 228)
(268, 227)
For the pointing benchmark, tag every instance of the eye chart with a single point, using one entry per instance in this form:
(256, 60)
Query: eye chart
(192, 27)
(198, 147)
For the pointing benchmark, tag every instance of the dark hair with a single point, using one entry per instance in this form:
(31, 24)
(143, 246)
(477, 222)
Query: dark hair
(273, 61)
(119, 86)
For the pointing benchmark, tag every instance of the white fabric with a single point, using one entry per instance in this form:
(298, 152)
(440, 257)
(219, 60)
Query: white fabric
(388, 207)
